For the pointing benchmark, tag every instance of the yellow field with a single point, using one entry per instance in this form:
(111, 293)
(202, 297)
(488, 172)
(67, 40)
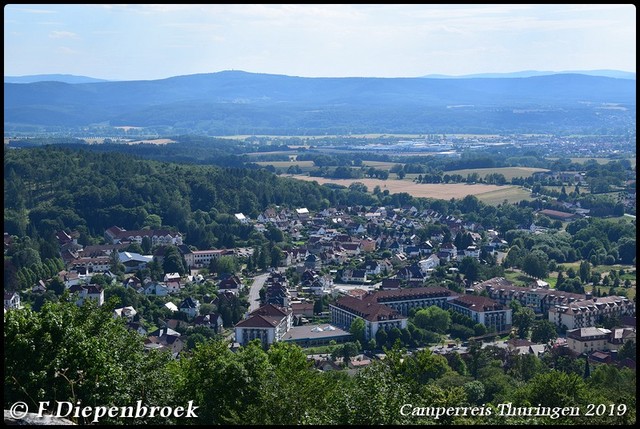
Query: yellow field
(493, 193)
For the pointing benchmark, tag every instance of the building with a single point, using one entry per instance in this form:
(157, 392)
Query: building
(538, 298)
(11, 300)
(403, 300)
(582, 340)
(589, 312)
(316, 335)
(189, 306)
(376, 316)
(134, 261)
(483, 310)
(84, 292)
(268, 323)
(126, 312)
(160, 237)
(202, 258)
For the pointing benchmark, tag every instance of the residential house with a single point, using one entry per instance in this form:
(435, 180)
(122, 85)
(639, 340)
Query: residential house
(165, 339)
(189, 306)
(212, 321)
(85, 292)
(125, 312)
(12, 300)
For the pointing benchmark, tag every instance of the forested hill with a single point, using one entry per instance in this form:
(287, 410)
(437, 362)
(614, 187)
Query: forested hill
(75, 189)
(51, 188)
(235, 102)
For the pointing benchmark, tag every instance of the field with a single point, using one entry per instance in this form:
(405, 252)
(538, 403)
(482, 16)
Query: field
(508, 172)
(433, 190)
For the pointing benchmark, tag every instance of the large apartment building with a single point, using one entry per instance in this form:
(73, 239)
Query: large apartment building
(589, 312)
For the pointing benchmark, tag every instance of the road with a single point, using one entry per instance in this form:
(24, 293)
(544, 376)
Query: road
(254, 291)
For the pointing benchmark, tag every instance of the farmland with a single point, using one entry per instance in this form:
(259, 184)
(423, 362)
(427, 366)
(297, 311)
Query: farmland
(494, 194)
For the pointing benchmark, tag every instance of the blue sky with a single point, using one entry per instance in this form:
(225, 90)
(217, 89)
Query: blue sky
(131, 42)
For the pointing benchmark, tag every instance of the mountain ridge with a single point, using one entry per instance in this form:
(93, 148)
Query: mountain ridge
(256, 101)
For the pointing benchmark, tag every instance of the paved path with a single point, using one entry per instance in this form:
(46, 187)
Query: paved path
(254, 291)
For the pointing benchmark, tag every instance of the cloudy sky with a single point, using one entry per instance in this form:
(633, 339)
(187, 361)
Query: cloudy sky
(131, 42)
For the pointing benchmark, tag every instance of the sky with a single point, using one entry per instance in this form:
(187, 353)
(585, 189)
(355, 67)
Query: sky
(146, 42)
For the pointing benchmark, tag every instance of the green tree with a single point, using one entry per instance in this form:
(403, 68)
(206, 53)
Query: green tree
(318, 306)
(357, 330)
(543, 331)
(523, 320)
(433, 318)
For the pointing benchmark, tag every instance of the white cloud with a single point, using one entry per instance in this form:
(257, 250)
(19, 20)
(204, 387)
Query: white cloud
(62, 35)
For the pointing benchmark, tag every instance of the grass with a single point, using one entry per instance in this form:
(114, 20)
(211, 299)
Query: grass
(512, 194)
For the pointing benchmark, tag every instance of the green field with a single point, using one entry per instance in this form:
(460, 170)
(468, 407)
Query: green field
(508, 172)
(511, 194)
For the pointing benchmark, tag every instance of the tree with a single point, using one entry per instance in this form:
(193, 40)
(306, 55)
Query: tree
(585, 271)
(172, 262)
(381, 337)
(357, 329)
(433, 318)
(523, 320)
(317, 306)
(535, 264)
(224, 264)
(91, 357)
(628, 350)
(543, 331)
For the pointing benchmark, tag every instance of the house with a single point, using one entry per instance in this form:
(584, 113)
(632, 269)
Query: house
(231, 284)
(583, 340)
(212, 321)
(11, 300)
(165, 339)
(241, 218)
(189, 306)
(390, 284)
(84, 292)
(302, 309)
(354, 276)
(171, 277)
(158, 289)
(268, 323)
(126, 312)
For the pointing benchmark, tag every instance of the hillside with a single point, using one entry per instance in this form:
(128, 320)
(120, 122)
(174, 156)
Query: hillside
(233, 102)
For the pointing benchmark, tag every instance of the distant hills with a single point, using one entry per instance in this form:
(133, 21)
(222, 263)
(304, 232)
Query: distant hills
(236, 102)
(530, 73)
(66, 78)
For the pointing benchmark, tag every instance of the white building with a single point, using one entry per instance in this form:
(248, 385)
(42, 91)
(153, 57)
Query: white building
(589, 312)
(268, 323)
